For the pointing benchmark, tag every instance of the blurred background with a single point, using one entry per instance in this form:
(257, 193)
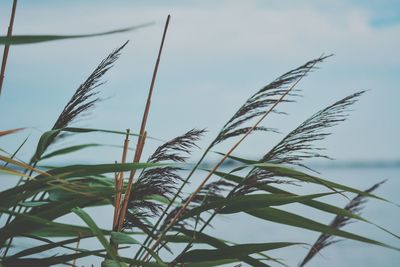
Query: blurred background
(216, 55)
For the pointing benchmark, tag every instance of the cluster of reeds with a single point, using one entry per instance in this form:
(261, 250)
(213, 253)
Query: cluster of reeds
(152, 211)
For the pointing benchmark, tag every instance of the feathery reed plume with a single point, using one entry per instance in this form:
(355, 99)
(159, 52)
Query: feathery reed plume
(257, 178)
(267, 96)
(160, 181)
(297, 145)
(170, 151)
(243, 130)
(211, 191)
(7, 46)
(154, 182)
(309, 66)
(183, 143)
(81, 101)
(354, 206)
(83, 98)
(215, 189)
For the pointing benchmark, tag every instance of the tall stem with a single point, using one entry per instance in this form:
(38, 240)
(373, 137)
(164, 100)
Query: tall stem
(118, 185)
(7, 46)
(119, 182)
(141, 139)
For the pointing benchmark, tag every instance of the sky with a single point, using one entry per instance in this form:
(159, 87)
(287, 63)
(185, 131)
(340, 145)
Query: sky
(216, 55)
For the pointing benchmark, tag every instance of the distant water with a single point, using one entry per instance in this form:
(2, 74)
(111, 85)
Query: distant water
(347, 253)
(244, 229)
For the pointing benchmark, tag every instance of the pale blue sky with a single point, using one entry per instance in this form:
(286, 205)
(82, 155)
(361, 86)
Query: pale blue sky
(216, 55)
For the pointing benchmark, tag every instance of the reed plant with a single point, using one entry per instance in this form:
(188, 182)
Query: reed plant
(155, 222)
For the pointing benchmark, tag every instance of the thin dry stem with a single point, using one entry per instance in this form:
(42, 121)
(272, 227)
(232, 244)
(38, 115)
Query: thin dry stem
(116, 186)
(138, 153)
(119, 182)
(141, 139)
(77, 247)
(7, 47)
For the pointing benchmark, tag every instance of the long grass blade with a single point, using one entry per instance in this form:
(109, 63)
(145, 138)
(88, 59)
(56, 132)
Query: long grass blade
(97, 232)
(30, 39)
(230, 252)
(216, 243)
(288, 218)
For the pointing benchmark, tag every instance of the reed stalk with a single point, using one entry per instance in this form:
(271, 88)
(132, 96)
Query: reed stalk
(142, 133)
(119, 182)
(77, 247)
(7, 46)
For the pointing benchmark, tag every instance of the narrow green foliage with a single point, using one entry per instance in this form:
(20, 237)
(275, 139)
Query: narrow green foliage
(97, 232)
(231, 252)
(30, 39)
